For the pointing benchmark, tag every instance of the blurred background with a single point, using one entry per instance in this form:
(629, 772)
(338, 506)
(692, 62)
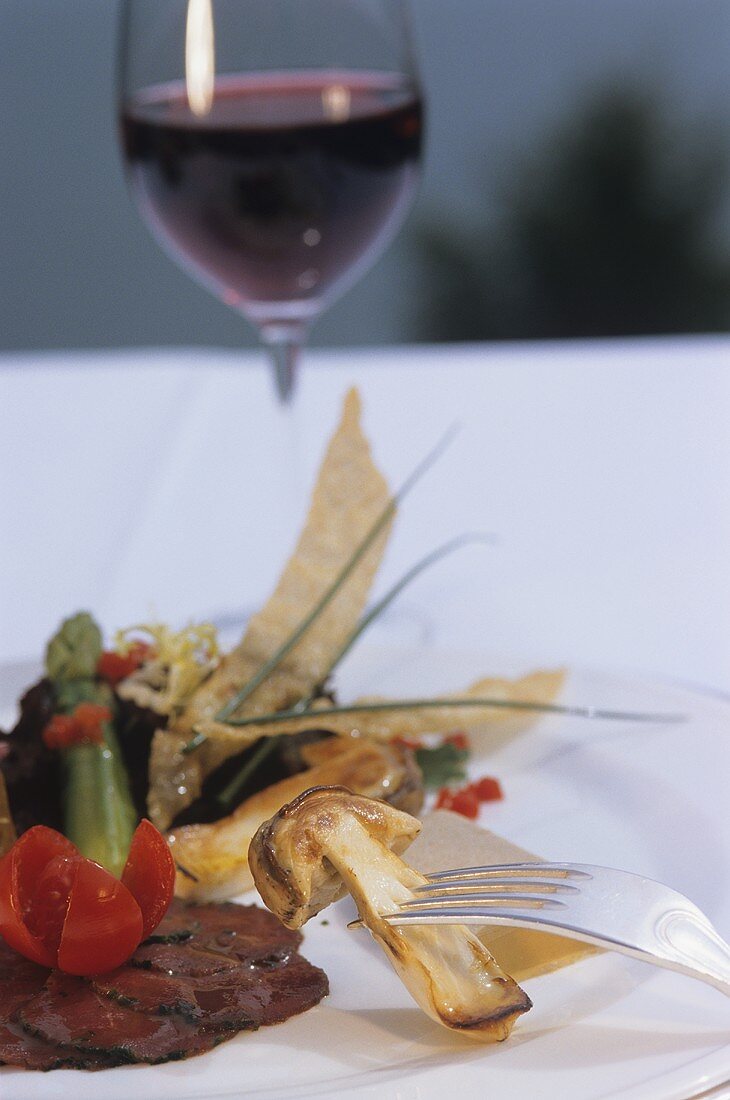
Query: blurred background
(577, 182)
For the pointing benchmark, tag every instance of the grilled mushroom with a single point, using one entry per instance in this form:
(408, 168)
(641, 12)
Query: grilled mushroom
(329, 841)
(213, 859)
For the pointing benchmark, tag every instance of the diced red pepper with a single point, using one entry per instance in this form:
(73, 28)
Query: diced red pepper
(83, 727)
(458, 739)
(443, 799)
(464, 801)
(113, 667)
(407, 743)
(60, 732)
(90, 717)
(488, 789)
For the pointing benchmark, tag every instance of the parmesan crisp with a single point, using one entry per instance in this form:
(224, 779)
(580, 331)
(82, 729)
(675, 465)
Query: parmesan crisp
(349, 496)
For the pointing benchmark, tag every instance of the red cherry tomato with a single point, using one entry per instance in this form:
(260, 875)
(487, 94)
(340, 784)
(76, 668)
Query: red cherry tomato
(61, 909)
(45, 914)
(103, 924)
(20, 871)
(149, 874)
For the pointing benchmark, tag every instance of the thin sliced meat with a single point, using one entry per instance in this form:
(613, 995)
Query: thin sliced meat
(235, 1001)
(208, 972)
(245, 932)
(179, 959)
(294, 988)
(70, 1014)
(17, 1048)
(246, 998)
(198, 940)
(21, 980)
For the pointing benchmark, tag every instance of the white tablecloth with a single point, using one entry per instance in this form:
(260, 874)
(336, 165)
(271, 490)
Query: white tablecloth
(155, 483)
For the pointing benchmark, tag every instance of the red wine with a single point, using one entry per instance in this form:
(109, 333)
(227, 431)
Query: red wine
(289, 185)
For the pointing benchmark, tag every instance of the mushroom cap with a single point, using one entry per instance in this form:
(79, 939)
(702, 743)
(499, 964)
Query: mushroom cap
(286, 856)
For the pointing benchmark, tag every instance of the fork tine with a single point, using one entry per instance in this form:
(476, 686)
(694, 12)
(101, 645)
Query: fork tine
(516, 870)
(491, 883)
(479, 915)
(453, 901)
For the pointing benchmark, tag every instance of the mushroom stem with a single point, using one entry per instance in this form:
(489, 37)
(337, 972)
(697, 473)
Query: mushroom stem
(445, 968)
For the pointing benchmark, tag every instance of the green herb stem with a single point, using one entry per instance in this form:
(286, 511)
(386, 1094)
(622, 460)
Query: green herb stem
(378, 608)
(194, 743)
(228, 797)
(294, 714)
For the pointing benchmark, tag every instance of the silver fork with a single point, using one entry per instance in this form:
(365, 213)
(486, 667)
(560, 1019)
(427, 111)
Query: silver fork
(612, 909)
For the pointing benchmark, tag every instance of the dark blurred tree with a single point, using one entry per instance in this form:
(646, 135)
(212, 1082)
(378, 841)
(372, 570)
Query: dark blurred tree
(611, 230)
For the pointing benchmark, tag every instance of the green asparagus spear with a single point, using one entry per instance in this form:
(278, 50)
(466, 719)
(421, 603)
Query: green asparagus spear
(99, 815)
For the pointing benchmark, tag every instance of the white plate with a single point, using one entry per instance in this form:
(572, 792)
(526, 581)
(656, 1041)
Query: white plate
(648, 798)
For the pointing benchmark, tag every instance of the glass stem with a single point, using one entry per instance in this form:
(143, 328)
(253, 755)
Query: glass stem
(285, 344)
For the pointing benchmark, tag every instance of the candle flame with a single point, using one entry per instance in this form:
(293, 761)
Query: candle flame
(200, 56)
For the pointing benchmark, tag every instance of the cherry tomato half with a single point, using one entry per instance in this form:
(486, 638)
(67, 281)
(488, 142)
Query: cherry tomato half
(46, 912)
(149, 874)
(103, 924)
(20, 872)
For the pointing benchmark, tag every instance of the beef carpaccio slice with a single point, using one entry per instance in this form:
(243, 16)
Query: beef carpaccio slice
(237, 999)
(69, 1013)
(207, 972)
(20, 980)
(244, 933)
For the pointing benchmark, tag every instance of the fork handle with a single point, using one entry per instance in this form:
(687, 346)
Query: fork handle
(691, 945)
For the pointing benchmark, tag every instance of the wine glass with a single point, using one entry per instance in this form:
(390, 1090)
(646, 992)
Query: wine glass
(272, 146)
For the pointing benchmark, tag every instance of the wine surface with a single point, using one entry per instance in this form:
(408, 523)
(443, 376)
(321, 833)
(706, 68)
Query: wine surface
(285, 190)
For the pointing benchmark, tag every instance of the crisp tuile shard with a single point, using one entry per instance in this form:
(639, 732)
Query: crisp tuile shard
(349, 496)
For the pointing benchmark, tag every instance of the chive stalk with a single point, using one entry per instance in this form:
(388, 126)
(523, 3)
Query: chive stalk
(469, 701)
(384, 602)
(229, 796)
